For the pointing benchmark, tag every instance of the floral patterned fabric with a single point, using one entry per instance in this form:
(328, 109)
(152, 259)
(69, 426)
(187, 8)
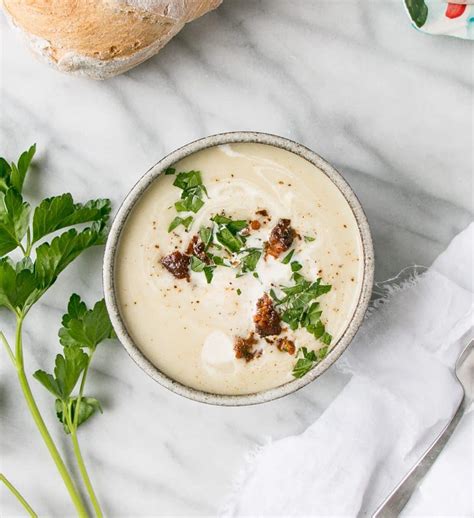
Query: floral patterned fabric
(443, 17)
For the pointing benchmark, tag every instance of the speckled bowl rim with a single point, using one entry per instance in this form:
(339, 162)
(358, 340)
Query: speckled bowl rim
(136, 193)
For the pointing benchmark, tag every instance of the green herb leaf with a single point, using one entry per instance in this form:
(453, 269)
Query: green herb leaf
(273, 295)
(235, 226)
(220, 219)
(232, 242)
(250, 260)
(308, 239)
(288, 257)
(14, 217)
(219, 261)
(206, 233)
(52, 258)
(296, 266)
(299, 307)
(5, 173)
(17, 283)
(13, 175)
(60, 212)
(199, 266)
(170, 170)
(87, 408)
(83, 327)
(19, 172)
(418, 11)
(190, 204)
(239, 291)
(67, 371)
(22, 285)
(177, 221)
(209, 273)
(196, 264)
(188, 179)
(307, 360)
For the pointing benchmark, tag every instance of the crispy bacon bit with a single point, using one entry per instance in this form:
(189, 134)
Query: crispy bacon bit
(284, 344)
(177, 264)
(281, 238)
(267, 319)
(255, 225)
(262, 212)
(243, 347)
(196, 247)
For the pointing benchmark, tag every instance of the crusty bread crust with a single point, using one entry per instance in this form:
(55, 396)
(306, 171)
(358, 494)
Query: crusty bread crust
(102, 38)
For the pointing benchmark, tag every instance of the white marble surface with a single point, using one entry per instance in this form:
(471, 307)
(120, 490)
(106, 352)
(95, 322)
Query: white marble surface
(388, 106)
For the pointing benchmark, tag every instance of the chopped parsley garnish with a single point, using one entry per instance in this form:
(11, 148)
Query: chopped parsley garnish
(190, 183)
(200, 266)
(239, 291)
(288, 257)
(206, 233)
(249, 261)
(299, 307)
(226, 235)
(308, 239)
(233, 242)
(234, 226)
(170, 170)
(296, 266)
(189, 204)
(178, 220)
(307, 360)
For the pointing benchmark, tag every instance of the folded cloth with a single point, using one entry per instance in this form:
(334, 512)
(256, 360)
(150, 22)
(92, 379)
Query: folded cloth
(400, 395)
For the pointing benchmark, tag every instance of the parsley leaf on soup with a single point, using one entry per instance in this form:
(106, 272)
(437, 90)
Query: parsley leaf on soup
(307, 360)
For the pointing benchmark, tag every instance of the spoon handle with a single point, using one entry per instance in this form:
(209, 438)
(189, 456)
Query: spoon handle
(396, 501)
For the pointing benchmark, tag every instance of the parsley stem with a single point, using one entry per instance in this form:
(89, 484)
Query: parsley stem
(34, 410)
(8, 348)
(79, 458)
(18, 495)
(29, 243)
(81, 389)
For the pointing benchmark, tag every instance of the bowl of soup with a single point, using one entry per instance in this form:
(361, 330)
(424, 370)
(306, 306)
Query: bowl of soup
(238, 268)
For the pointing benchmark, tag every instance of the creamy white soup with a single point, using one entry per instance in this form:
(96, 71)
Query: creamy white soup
(239, 269)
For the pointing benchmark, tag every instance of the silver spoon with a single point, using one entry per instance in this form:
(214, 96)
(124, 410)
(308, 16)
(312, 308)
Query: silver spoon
(393, 505)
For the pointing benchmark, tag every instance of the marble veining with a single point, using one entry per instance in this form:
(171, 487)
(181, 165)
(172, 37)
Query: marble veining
(389, 107)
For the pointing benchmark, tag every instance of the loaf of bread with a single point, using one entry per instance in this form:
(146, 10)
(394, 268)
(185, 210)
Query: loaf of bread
(101, 38)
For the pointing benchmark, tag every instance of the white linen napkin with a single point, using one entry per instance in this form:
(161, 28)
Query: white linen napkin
(401, 393)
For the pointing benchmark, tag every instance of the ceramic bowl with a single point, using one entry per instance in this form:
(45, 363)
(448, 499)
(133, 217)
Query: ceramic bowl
(136, 193)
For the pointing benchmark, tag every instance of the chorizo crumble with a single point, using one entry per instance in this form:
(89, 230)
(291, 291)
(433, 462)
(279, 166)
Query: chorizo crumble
(196, 247)
(177, 264)
(280, 239)
(255, 225)
(267, 319)
(284, 344)
(243, 348)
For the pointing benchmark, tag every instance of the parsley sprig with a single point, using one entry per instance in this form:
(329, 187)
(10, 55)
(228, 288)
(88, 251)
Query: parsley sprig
(33, 233)
(82, 331)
